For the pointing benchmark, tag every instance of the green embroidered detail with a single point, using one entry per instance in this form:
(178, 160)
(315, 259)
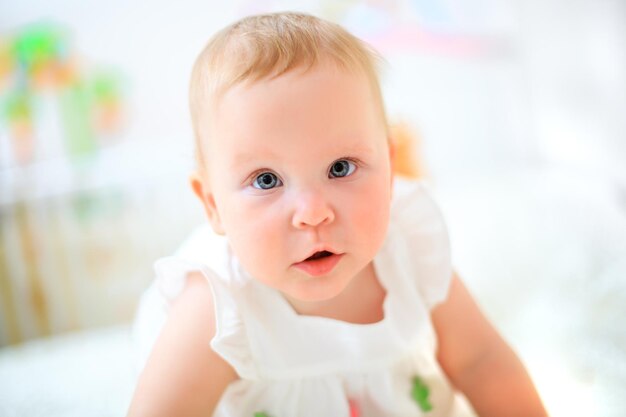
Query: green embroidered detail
(420, 394)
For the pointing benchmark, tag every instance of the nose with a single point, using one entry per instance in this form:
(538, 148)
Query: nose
(312, 209)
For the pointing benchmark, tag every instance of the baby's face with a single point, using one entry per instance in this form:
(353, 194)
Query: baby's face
(299, 166)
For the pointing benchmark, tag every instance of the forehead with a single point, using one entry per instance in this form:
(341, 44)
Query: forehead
(298, 107)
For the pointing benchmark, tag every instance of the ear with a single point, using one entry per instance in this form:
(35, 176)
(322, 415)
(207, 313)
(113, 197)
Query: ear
(204, 194)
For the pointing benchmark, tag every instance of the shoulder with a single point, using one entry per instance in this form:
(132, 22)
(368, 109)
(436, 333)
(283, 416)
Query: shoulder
(203, 246)
(413, 205)
(184, 375)
(202, 251)
(420, 240)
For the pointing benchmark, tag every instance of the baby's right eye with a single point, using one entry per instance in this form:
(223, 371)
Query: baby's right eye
(266, 181)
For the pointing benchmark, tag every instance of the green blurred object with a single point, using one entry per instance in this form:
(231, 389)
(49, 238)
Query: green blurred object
(261, 415)
(39, 44)
(18, 106)
(420, 394)
(76, 114)
(105, 86)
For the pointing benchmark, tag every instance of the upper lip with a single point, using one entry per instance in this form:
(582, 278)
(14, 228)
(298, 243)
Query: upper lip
(319, 249)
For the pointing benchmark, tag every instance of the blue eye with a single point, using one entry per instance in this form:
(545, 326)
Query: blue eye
(341, 168)
(266, 181)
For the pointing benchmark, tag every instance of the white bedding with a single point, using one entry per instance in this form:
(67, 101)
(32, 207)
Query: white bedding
(86, 374)
(544, 251)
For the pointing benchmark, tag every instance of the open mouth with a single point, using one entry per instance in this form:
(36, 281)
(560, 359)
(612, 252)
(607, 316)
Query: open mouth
(320, 263)
(319, 255)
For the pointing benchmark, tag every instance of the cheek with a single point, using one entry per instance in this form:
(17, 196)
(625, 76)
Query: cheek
(370, 213)
(254, 235)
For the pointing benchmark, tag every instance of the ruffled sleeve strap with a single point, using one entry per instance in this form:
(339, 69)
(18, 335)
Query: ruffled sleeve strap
(421, 224)
(230, 340)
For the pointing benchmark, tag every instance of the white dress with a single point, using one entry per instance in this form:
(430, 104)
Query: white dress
(307, 366)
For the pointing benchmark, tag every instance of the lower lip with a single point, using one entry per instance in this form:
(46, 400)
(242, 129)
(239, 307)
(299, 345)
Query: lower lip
(319, 267)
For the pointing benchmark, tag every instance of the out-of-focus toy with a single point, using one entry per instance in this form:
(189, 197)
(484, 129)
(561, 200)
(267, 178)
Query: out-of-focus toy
(408, 159)
(37, 61)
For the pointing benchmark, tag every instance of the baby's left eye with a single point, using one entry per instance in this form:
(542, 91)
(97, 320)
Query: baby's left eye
(341, 168)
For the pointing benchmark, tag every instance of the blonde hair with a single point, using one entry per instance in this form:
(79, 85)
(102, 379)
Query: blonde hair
(266, 46)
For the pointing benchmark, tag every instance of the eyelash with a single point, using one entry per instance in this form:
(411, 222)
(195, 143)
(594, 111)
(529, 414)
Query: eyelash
(257, 175)
(351, 161)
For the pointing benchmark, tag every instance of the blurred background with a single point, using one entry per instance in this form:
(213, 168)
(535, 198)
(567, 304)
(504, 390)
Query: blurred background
(517, 113)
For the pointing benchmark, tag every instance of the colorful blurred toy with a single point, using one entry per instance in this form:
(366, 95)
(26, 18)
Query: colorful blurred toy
(37, 61)
(408, 160)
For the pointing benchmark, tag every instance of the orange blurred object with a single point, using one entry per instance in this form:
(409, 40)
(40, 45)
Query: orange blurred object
(23, 141)
(408, 160)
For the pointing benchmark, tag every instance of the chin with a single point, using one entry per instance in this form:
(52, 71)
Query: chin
(319, 289)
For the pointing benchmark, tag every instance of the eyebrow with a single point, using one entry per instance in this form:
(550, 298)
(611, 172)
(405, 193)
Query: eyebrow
(353, 146)
(245, 157)
(342, 149)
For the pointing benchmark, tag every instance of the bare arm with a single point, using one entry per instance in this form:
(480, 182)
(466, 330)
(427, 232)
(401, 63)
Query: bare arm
(183, 375)
(478, 361)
